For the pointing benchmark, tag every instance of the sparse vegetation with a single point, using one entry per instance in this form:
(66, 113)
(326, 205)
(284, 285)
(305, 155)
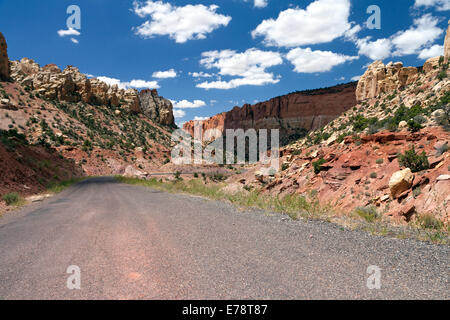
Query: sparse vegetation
(416, 162)
(369, 214)
(12, 198)
(318, 165)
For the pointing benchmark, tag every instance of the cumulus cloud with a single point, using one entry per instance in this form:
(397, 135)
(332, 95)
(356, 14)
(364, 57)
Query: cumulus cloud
(68, 32)
(179, 23)
(356, 78)
(185, 104)
(415, 40)
(165, 74)
(423, 33)
(177, 113)
(375, 50)
(247, 68)
(322, 21)
(309, 61)
(196, 118)
(139, 84)
(434, 51)
(439, 5)
(74, 40)
(200, 75)
(261, 3)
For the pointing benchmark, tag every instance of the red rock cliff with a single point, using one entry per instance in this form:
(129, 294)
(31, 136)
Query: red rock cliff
(306, 110)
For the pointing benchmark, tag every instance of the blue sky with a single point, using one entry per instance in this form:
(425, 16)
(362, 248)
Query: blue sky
(208, 56)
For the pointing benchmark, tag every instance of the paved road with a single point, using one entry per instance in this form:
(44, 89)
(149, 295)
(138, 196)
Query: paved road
(132, 242)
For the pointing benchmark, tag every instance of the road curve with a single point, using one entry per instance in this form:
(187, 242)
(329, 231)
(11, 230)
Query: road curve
(132, 242)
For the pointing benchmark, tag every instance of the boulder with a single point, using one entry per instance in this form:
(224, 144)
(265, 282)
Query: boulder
(400, 182)
(431, 64)
(132, 172)
(443, 177)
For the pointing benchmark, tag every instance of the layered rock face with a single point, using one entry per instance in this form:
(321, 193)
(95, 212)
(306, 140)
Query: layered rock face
(4, 61)
(380, 78)
(155, 107)
(447, 45)
(291, 113)
(72, 86)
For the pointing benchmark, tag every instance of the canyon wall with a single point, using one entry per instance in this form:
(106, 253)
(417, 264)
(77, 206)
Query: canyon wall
(447, 45)
(292, 113)
(71, 85)
(4, 61)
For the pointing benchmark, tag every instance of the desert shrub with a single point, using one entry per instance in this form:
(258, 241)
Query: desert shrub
(429, 221)
(318, 165)
(369, 214)
(442, 75)
(380, 161)
(416, 192)
(442, 149)
(11, 198)
(373, 175)
(416, 162)
(414, 126)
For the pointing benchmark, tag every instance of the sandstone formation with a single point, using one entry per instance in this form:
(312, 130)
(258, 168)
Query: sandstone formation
(4, 61)
(293, 114)
(380, 78)
(155, 107)
(447, 45)
(72, 86)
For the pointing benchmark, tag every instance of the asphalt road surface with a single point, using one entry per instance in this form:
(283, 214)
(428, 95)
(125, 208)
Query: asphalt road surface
(132, 242)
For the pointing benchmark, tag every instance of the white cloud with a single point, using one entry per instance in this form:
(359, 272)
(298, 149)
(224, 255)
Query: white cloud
(423, 33)
(261, 3)
(185, 104)
(74, 40)
(68, 32)
(434, 51)
(178, 113)
(131, 84)
(308, 61)
(417, 39)
(165, 74)
(321, 22)
(179, 23)
(196, 118)
(248, 68)
(440, 5)
(200, 75)
(356, 78)
(375, 50)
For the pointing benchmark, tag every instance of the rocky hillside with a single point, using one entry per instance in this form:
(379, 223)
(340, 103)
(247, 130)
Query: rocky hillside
(387, 157)
(294, 114)
(75, 126)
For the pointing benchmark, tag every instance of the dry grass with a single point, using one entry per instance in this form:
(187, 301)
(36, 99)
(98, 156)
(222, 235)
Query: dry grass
(304, 207)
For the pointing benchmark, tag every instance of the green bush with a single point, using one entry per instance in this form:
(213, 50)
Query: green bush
(12, 198)
(414, 126)
(369, 214)
(416, 162)
(428, 221)
(318, 165)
